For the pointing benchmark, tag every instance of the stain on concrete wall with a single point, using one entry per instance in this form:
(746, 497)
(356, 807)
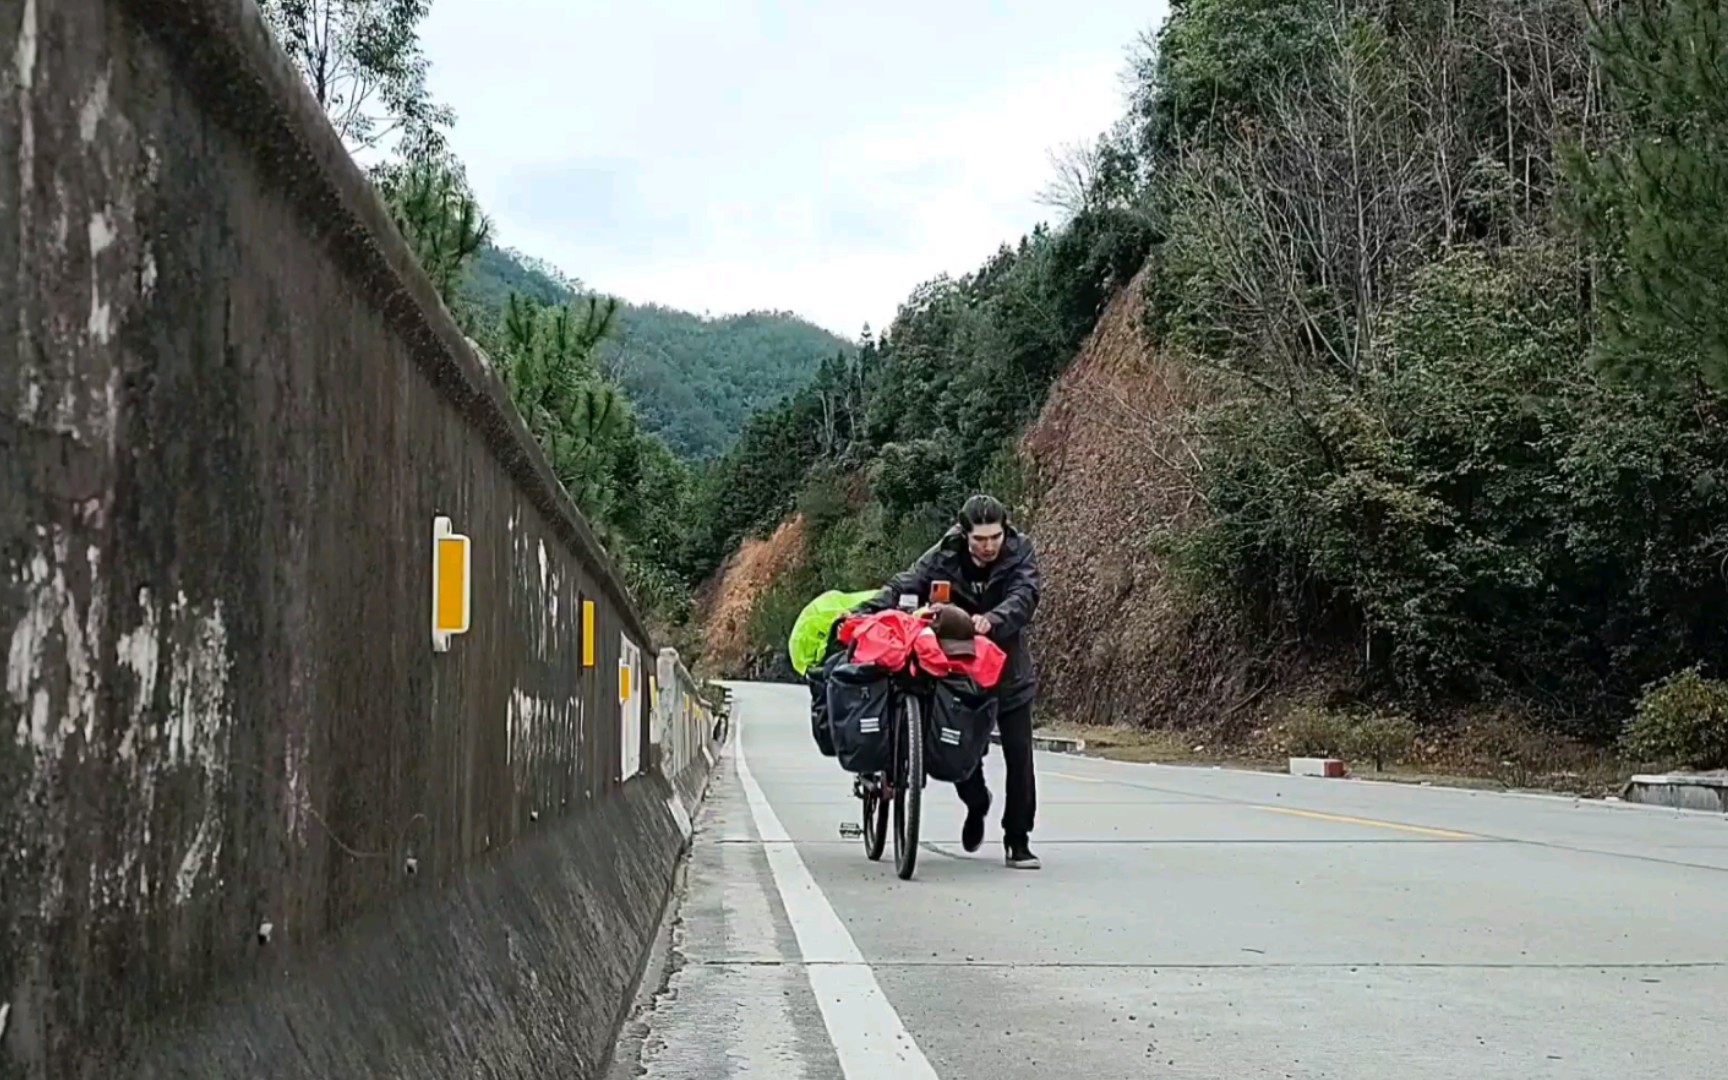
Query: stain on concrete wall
(229, 410)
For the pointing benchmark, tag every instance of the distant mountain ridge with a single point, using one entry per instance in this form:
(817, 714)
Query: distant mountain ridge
(693, 379)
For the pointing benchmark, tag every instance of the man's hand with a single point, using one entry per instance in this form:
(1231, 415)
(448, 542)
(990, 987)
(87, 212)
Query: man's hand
(981, 624)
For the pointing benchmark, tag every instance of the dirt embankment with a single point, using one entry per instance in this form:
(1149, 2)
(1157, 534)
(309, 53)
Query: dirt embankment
(1114, 464)
(724, 612)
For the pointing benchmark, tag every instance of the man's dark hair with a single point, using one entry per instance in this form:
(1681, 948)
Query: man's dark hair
(982, 510)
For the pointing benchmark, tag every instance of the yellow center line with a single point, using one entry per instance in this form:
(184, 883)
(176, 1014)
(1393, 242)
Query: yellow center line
(1071, 776)
(1347, 820)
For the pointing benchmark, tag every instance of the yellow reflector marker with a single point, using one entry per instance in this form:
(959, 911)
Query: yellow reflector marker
(587, 633)
(452, 585)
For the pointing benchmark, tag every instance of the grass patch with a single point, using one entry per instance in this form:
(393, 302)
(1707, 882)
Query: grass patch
(1495, 753)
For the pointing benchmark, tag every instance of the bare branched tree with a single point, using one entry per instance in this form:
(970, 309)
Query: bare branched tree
(1075, 168)
(362, 61)
(1401, 139)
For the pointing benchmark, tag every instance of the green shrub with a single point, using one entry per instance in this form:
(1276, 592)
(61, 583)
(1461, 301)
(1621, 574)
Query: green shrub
(823, 502)
(911, 474)
(656, 587)
(1382, 738)
(1681, 721)
(1477, 513)
(1311, 731)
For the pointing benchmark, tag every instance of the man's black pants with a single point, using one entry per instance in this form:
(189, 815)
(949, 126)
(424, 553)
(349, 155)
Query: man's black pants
(1021, 801)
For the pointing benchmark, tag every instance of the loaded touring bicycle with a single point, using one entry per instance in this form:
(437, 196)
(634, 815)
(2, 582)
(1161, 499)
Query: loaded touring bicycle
(898, 705)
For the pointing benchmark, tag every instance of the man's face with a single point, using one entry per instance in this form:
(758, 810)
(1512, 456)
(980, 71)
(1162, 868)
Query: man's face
(985, 543)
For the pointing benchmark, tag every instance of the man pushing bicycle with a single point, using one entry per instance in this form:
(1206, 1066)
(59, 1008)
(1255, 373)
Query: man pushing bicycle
(989, 570)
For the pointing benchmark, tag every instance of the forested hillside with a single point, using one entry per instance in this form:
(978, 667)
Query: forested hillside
(694, 379)
(698, 379)
(1444, 288)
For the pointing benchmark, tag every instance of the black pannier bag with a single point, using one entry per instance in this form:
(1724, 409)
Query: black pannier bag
(860, 704)
(816, 677)
(957, 720)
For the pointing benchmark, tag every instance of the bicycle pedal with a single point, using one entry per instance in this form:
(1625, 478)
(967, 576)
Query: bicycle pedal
(851, 830)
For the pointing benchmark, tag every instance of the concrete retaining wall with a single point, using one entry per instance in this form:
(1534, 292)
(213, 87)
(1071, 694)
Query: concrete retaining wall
(250, 823)
(1682, 791)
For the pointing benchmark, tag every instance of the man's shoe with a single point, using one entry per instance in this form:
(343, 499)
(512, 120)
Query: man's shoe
(972, 833)
(1019, 856)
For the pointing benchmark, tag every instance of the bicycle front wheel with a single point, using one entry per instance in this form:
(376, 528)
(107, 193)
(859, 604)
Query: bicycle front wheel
(909, 788)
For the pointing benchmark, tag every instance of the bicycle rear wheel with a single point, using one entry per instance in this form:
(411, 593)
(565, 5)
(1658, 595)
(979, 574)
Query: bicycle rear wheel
(875, 824)
(909, 785)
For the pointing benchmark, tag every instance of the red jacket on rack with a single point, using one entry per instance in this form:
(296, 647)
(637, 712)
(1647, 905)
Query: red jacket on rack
(890, 639)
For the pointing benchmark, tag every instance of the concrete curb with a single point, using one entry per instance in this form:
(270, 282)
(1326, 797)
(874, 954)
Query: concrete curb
(661, 961)
(1683, 793)
(1055, 744)
(1678, 791)
(1617, 803)
(658, 961)
(625, 1059)
(1329, 767)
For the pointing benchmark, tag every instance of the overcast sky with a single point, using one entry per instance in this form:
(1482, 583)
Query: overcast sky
(729, 155)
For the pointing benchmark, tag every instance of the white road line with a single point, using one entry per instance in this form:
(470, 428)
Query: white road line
(868, 1036)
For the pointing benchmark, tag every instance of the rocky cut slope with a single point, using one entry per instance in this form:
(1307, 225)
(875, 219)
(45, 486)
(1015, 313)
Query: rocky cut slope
(729, 602)
(1113, 465)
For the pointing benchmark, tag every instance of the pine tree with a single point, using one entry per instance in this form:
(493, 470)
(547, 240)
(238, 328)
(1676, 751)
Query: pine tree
(1654, 201)
(441, 220)
(578, 417)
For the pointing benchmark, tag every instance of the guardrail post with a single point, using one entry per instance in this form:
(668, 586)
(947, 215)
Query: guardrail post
(666, 714)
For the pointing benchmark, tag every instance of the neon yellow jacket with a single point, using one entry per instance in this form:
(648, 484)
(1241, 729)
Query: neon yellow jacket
(809, 640)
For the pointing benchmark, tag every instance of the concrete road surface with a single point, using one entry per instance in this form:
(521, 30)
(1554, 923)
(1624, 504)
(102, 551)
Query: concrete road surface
(1187, 923)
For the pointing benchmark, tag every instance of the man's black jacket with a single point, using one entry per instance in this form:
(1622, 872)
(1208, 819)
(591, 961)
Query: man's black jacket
(1007, 595)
